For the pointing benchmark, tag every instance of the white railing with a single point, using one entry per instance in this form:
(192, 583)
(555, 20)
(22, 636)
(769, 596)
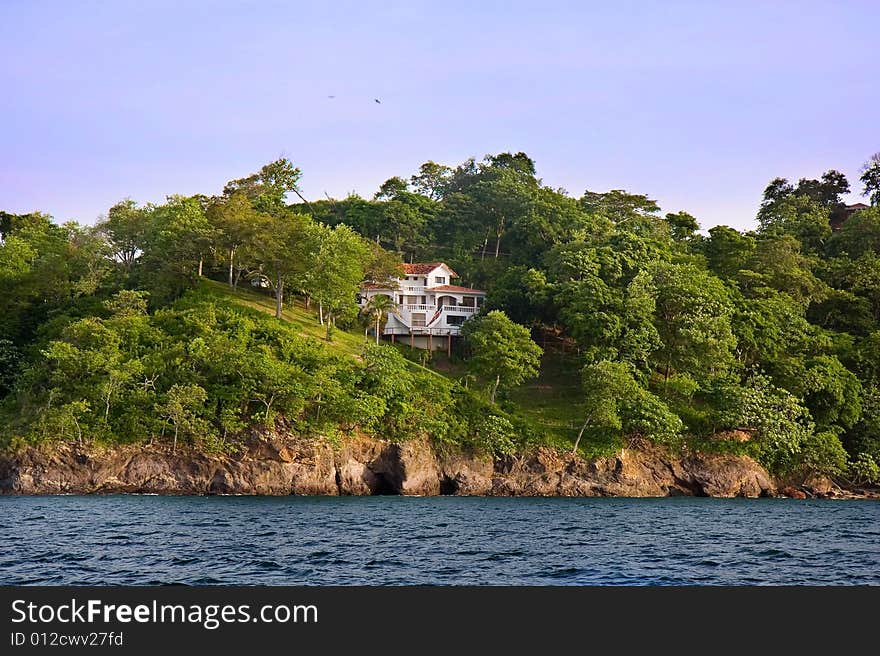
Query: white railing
(416, 290)
(464, 309)
(404, 313)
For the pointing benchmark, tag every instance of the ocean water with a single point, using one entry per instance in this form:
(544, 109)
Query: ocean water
(151, 540)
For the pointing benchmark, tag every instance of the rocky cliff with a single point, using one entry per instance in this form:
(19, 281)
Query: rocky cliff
(279, 466)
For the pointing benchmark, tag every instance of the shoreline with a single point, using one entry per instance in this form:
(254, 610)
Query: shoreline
(277, 465)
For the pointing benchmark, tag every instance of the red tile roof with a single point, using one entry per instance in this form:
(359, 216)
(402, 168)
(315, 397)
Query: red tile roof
(375, 285)
(455, 288)
(422, 268)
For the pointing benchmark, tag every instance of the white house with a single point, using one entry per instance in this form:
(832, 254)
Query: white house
(427, 305)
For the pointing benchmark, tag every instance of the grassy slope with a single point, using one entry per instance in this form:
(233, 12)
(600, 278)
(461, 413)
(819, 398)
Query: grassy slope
(294, 312)
(550, 402)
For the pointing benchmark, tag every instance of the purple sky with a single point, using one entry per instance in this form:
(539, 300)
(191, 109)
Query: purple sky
(697, 104)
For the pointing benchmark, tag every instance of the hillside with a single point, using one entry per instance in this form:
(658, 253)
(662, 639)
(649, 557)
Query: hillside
(549, 403)
(602, 322)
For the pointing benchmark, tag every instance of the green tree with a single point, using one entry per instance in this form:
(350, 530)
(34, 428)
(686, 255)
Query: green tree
(682, 226)
(282, 248)
(234, 222)
(501, 350)
(780, 422)
(180, 405)
(432, 180)
(10, 366)
(782, 266)
(633, 213)
(126, 227)
(336, 271)
(614, 403)
(605, 384)
(860, 234)
(268, 188)
(693, 319)
(727, 251)
(871, 179)
(801, 216)
(379, 307)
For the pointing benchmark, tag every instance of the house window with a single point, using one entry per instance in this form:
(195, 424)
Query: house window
(423, 300)
(440, 280)
(455, 319)
(400, 300)
(418, 320)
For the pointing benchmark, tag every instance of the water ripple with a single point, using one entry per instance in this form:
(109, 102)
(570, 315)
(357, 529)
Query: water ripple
(153, 540)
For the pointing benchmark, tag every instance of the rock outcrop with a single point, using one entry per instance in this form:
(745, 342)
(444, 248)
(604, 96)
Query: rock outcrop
(278, 465)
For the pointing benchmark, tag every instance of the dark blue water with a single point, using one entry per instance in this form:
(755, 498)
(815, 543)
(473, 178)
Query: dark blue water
(436, 540)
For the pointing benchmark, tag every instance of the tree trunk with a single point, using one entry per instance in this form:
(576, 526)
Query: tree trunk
(279, 296)
(321, 312)
(201, 266)
(329, 324)
(498, 239)
(174, 443)
(378, 321)
(580, 435)
(494, 389)
(231, 262)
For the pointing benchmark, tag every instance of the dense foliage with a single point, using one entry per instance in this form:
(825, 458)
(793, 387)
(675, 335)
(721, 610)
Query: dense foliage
(773, 334)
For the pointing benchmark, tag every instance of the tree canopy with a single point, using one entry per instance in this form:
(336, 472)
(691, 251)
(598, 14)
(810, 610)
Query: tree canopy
(679, 333)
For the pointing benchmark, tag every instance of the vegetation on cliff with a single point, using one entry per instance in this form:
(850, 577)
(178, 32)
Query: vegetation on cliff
(203, 317)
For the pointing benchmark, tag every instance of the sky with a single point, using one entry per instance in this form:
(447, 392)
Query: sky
(695, 104)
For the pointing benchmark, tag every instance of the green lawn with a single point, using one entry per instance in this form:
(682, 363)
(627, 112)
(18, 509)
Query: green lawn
(294, 312)
(552, 400)
(304, 320)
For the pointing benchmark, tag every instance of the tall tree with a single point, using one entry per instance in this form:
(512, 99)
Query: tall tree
(501, 351)
(126, 227)
(336, 271)
(234, 222)
(267, 189)
(282, 249)
(432, 180)
(692, 316)
(870, 178)
(682, 225)
(379, 307)
(727, 250)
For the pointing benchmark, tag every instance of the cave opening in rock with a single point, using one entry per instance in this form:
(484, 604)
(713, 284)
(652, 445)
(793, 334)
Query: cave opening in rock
(448, 486)
(383, 486)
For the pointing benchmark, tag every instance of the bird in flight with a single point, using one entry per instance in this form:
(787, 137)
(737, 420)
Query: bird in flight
(331, 96)
(377, 100)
